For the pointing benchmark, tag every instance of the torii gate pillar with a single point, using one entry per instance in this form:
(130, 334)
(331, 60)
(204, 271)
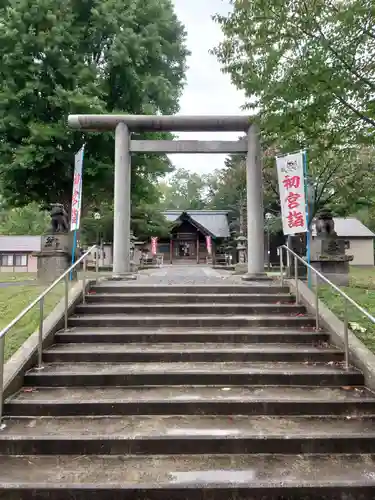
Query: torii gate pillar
(122, 203)
(124, 146)
(255, 215)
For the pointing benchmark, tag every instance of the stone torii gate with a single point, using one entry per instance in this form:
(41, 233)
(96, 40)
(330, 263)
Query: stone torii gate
(124, 125)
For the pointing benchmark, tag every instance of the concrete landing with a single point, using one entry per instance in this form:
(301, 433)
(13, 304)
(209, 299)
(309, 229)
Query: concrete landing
(189, 275)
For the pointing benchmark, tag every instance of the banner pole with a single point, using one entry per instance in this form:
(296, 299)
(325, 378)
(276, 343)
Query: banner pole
(76, 204)
(308, 234)
(73, 253)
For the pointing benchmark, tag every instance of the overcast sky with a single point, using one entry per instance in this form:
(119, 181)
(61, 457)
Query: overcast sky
(208, 91)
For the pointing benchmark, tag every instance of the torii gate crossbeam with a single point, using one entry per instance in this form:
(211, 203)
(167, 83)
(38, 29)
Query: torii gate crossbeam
(124, 125)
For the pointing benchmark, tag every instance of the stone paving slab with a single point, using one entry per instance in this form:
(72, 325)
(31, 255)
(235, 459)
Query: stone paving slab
(142, 426)
(126, 335)
(188, 274)
(191, 347)
(284, 368)
(158, 471)
(191, 393)
(204, 298)
(263, 330)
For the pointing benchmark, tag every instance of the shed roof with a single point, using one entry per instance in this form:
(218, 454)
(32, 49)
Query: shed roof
(20, 243)
(349, 227)
(214, 221)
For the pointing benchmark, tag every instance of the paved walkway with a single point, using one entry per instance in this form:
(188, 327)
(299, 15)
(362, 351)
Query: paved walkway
(6, 284)
(186, 275)
(182, 274)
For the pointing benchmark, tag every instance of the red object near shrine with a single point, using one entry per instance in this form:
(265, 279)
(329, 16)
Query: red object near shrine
(154, 244)
(209, 245)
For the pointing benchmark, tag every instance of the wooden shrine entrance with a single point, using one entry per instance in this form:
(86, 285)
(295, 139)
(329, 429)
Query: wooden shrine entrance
(187, 244)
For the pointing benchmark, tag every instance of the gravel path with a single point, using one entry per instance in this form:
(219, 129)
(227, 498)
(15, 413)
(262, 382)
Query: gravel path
(187, 275)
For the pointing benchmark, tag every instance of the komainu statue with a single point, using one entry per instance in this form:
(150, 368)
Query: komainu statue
(325, 225)
(59, 219)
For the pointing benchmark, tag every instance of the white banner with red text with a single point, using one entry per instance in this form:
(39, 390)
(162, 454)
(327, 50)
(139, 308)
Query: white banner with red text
(209, 245)
(154, 243)
(290, 174)
(77, 191)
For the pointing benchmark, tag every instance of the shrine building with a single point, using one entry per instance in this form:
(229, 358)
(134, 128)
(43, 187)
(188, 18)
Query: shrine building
(187, 241)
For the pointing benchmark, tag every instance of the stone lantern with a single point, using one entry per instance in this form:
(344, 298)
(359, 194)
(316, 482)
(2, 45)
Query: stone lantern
(241, 247)
(241, 266)
(133, 266)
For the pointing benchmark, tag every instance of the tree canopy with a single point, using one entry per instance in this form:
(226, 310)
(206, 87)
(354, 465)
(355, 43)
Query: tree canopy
(24, 220)
(81, 56)
(146, 221)
(184, 190)
(305, 64)
(307, 68)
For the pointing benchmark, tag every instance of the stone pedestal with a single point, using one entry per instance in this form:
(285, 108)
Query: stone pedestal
(240, 268)
(55, 256)
(256, 277)
(298, 247)
(302, 270)
(122, 277)
(133, 269)
(328, 257)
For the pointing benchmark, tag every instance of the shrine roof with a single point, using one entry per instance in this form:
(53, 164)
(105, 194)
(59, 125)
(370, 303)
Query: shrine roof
(10, 243)
(214, 222)
(349, 227)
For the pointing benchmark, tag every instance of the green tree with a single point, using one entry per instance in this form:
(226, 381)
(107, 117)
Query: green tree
(339, 179)
(146, 220)
(305, 65)
(228, 191)
(227, 188)
(94, 230)
(75, 56)
(307, 69)
(27, 220)
(184, 190)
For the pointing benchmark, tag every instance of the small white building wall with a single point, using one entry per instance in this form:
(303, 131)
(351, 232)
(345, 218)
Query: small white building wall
(31, 267)
(362, 250)
(105, 256)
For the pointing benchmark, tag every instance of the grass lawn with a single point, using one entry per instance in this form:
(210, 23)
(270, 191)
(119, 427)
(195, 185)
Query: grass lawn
(362, 290)
(13, 300)
(363, 277)
(7, 277)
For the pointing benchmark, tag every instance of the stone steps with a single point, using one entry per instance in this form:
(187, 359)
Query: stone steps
(231, 309)
(134, 288)
(189, 392)
(174, 435)
(262, 335)
(221, 477)
(189, 298)
(350, 401)
(198, 352)
(190, 321)
(190, 373)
